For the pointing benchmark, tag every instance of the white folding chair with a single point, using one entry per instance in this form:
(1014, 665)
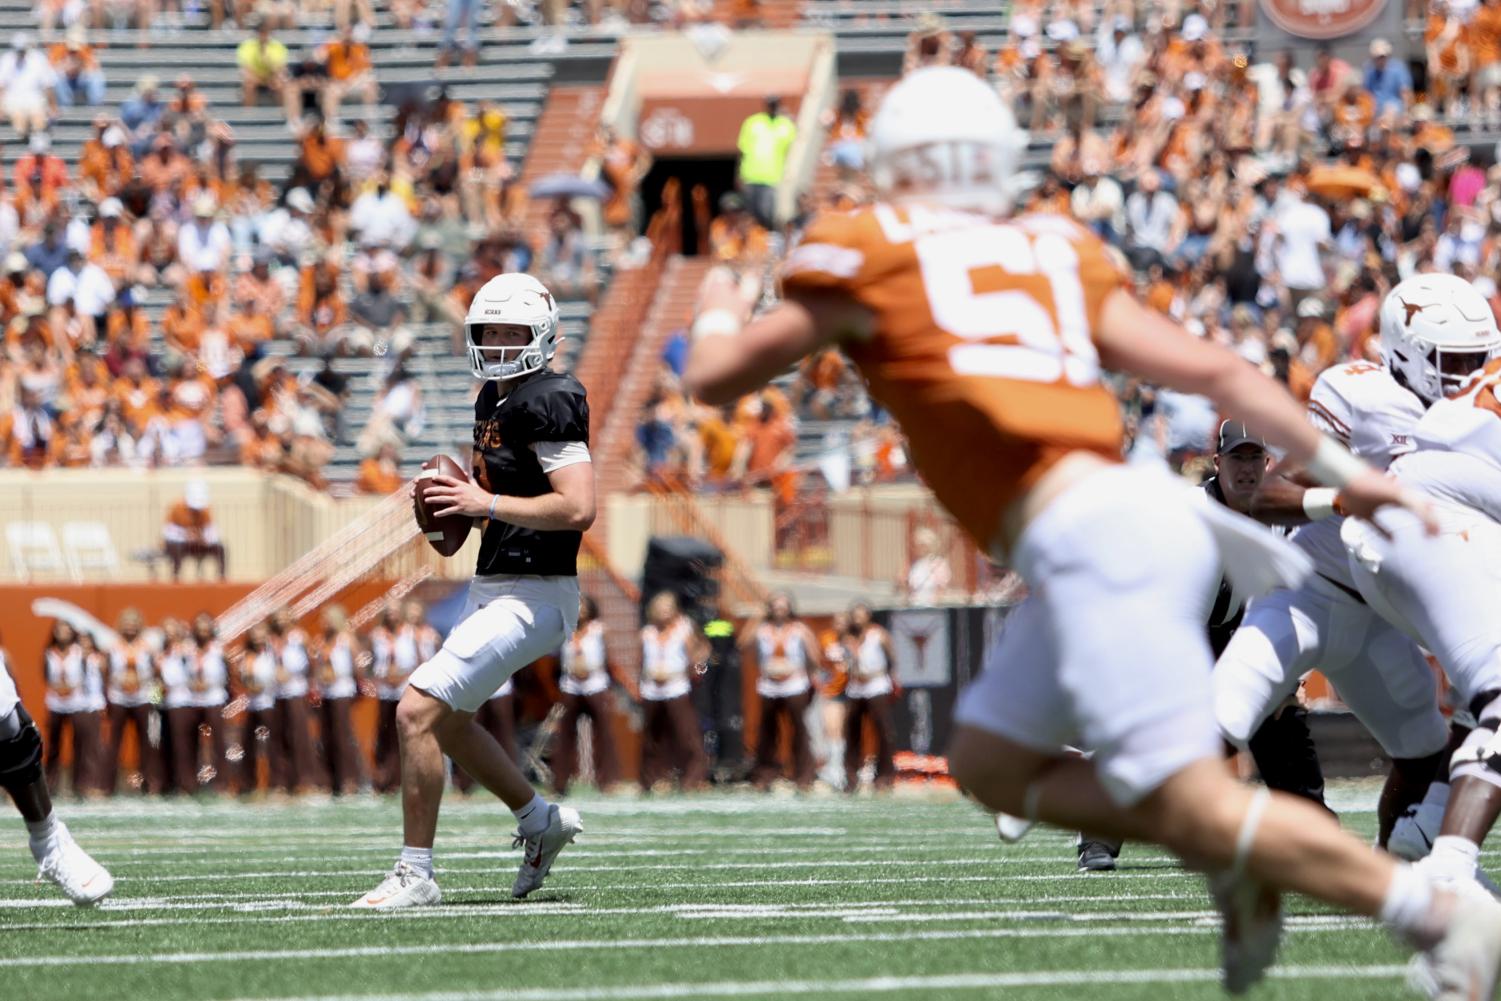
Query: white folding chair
(87, 546)
(33, 549)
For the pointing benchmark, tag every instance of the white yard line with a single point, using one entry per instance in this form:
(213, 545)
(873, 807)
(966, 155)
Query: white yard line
(261, 911)
(605, 945)
(872, 985)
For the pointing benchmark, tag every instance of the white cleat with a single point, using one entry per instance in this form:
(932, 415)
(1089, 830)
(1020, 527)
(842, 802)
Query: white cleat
(1012, 829)
(1252, 929)
(1463, 965)
(82, 880)
(405, 887)
(563, 825)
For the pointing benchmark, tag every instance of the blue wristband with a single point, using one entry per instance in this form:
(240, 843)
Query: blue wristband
(493, 499)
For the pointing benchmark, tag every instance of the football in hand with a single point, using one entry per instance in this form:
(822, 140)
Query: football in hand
(446, 535)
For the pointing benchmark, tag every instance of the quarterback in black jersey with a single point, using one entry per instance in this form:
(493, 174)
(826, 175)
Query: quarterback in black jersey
(533, 489)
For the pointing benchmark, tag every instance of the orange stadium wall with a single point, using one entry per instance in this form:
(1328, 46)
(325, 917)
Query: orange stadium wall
(23, 635)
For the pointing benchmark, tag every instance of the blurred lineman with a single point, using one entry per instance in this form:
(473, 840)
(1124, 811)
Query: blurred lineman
(984, 336)
(58, 856)
(531, 435)
(1282, 747)
(1380, 673)
(1442, 590)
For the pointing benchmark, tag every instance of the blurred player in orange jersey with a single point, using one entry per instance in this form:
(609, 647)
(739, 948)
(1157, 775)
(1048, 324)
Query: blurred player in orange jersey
(984, 335)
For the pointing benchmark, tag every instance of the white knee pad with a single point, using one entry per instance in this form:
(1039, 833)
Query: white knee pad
(1479, 757)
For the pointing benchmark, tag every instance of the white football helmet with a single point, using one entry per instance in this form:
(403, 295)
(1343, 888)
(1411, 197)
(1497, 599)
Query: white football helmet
(515, 299)
(1435, 330)
(944, 135)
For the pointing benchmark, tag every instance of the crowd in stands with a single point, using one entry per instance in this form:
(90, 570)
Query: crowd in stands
(1265, 205)
(171, 710)
(370, 233)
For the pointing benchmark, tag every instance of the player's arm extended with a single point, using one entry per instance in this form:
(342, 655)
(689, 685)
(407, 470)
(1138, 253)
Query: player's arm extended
(1143, 342)
(730, 358)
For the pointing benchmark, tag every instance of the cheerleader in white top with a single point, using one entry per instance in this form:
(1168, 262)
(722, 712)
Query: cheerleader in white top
(585, 683)
(75, 697)
(130, 686)
(292, 763)
(672, 741)
(257, 675)
(338, 686)
(868, 695)
(784, 649)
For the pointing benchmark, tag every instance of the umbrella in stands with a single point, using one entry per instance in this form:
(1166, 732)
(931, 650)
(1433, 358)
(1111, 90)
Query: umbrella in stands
(569, 186)
(1342, 181)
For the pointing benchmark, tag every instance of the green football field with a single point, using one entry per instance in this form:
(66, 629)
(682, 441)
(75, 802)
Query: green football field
(713, 896)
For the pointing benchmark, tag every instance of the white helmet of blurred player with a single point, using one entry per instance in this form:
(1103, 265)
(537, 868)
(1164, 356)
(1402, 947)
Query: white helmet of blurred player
(1435, 330)
(517, 299)
(943, 135)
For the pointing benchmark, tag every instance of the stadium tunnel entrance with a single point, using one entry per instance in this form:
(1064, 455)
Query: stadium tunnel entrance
(703, 181)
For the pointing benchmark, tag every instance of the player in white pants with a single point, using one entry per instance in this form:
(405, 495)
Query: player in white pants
(1446, 590)
(984, 334)
(1379, 672)
(58, 857)
(533, 487)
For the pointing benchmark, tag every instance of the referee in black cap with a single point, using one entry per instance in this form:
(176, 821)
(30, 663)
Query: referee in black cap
(1283, 747)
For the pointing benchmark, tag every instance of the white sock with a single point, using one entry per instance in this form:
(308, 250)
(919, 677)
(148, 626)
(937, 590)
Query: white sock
(44, 833)
(1408, 906)
(531, 820)
(420, 859)
(1453, 857)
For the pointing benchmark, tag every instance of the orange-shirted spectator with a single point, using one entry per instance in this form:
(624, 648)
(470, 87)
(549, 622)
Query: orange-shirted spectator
(112, 245)
(128, 327)
(73, 448)
(165, 168)
(720, 445)
(136, 393)
(188, 101)
(104, 163)
(269, 294)
(970, 53)
(182, 325)
(380, 473)
(623, 164)
(40, 178)
(1446, 39)
(824, 373)
(26, 431)
(249, 328)
(321, 311)
(322, 156)
(78, 78)
(771, 439)
(86, 387)
(350, 70)
(190, 531)
(929, 45)
(1485, 58)
(847, 126)
(735, 237)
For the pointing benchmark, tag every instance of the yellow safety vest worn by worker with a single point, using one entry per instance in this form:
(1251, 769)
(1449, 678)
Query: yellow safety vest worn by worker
(764, 142)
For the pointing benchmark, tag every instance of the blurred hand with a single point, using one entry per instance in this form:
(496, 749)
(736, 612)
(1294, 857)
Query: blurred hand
(1371, 490)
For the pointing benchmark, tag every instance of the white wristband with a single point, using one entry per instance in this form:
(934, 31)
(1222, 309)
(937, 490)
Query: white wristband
(716, 323)
(1334, 465)
(1318, 503)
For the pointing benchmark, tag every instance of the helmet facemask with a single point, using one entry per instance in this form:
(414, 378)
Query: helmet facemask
(511, 361)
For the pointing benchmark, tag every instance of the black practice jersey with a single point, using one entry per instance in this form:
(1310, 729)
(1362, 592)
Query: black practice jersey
(548, 406)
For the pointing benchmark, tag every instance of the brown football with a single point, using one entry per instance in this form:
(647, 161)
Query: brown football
(446, 535)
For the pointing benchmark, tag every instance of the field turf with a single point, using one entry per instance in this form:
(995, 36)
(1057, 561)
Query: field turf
(712, 896)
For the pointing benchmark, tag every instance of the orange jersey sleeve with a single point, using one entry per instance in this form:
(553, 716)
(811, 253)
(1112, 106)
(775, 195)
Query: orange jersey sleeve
(982, 342)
